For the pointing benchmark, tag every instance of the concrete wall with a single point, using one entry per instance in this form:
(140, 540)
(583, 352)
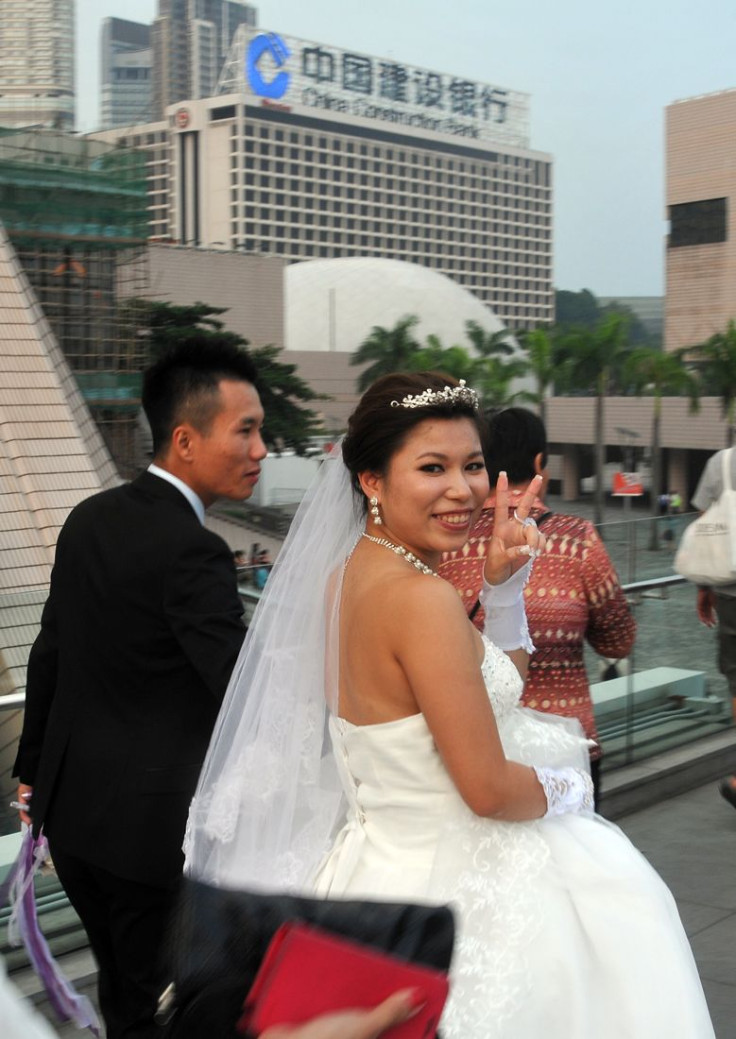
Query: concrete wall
(329, 373)
(570, 420)
(251, 287)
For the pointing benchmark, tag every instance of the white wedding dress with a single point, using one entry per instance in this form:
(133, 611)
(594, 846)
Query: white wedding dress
(564, 930)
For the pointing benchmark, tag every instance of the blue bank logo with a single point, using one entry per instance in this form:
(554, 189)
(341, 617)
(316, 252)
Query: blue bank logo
(273, 45)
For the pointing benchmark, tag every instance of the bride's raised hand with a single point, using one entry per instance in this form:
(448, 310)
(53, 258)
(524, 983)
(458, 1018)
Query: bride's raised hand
(515, 537)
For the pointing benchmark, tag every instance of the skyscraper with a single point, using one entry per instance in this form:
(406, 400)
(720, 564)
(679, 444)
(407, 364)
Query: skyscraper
(125, 72)
(37, 63)
(315, 152)
(191, 39)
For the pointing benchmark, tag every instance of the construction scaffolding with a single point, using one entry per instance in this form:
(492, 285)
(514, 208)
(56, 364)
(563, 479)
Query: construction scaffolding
(75, 212)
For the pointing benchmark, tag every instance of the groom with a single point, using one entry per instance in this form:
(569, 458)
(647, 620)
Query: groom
(138, 637)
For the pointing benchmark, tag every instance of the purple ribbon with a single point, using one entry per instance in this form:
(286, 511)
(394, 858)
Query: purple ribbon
(18, 891)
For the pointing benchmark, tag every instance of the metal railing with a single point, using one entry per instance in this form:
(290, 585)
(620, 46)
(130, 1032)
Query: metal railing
(634, 732)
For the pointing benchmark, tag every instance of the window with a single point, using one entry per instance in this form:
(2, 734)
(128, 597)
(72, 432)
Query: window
(226, 112)
(698, 223)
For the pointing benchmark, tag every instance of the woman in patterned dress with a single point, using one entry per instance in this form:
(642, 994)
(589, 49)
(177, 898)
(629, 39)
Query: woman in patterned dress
(573, 595)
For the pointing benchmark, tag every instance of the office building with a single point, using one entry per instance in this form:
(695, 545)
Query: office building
(701, 207)
(37, 64)
(313, 152)
(126, 62)
(191, 39)
(648, 309)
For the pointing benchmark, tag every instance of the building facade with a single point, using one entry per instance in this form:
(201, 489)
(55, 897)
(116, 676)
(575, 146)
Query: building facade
(701, 206)
(37, 64)
(648, 309)
(126, 61)
(191, 39)
(313, 153)
(74, 211)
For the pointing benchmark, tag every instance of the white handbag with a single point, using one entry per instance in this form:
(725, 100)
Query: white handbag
(707, 552)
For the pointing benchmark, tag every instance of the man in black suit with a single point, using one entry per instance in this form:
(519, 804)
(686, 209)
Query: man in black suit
(138, 637)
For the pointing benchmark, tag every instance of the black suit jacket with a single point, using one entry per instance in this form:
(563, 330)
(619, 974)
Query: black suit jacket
(138, 637)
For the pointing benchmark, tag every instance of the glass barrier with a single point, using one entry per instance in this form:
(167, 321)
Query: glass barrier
(643, 548)
(668, 691)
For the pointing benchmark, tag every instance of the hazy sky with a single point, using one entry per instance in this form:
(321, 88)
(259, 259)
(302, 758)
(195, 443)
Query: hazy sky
(599, 75)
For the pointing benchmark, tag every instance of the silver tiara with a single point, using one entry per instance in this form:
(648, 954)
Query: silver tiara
(460, 394)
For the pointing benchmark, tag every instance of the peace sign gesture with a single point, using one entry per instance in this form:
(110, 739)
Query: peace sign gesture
(515, 535)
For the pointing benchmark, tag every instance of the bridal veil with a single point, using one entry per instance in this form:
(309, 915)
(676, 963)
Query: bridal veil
(269, 797)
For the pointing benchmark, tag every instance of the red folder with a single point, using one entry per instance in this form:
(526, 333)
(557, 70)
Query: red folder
(307, 972)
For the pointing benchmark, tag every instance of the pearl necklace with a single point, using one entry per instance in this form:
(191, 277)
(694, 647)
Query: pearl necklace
(401, 551)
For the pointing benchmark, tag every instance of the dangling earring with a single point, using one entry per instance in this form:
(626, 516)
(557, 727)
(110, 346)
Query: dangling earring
(375, 513)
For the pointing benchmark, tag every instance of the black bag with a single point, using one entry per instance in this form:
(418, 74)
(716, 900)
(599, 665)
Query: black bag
(219, 938)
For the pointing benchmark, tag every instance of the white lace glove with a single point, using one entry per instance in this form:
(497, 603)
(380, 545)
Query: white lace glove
(566, 789)
(506, 624)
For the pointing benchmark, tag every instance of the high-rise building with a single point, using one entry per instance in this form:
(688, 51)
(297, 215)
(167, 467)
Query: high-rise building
(191, 39)
(125, 72)
(701, 206)
(37, 63)
(314, 152)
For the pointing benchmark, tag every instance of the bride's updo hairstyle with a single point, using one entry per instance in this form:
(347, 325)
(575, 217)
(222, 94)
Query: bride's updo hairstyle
(391, 408)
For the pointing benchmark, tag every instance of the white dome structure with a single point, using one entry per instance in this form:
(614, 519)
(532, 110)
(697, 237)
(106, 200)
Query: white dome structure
(332, 305)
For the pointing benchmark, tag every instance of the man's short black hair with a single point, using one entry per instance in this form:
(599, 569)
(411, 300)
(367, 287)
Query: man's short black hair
(182, 385)
(515, 437)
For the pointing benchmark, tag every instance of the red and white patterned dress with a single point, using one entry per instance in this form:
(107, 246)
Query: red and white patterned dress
(573, 594)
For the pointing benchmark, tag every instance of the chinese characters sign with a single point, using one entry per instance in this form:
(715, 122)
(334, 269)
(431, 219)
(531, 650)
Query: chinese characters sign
(290, 72)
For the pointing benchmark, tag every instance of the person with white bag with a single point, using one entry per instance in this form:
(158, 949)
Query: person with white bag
(718, 601)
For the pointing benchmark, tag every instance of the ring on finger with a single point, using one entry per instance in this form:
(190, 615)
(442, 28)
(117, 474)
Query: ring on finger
(528, 522)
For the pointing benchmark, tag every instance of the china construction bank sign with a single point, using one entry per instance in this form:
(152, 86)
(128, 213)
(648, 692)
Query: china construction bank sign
(284, 72)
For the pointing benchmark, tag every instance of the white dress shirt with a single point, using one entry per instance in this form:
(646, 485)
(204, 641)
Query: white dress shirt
(191, 496)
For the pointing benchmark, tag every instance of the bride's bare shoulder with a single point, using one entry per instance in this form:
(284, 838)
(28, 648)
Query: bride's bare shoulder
(420, 599)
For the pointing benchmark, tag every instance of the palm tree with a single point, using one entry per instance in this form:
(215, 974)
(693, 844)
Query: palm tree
(390, 350)
(489, 344)
(496, 366)
(660, 374)
(590, 359)
(716, 359)
(452, 360)
(491, 375)
(493, 378)
(539, 344)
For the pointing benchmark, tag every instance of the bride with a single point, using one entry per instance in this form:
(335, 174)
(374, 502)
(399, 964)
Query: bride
(372, 745)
